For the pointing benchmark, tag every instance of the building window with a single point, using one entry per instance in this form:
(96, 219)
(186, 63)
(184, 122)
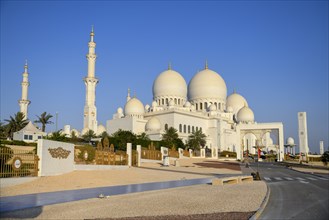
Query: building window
(205, 105)
(196, 106)
(162, 101)
(159, 102)
(189, 129)
(201, 129)
(200, 106)
(175, 101)
(180, 127)
(196, 128)
(166, 126)
(39, 137)
(178, 101)
(26, 137)
(193, 129)
(184, 128)
(219, 106)
(30, 137)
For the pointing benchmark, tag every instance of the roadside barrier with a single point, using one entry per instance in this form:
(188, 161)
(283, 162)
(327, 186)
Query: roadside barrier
(232, 180)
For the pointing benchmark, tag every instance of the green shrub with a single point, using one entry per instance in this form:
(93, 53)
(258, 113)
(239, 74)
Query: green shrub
(229, 153)
(325, 158)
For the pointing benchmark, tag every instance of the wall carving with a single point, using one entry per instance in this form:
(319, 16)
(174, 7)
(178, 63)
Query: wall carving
(59, 153)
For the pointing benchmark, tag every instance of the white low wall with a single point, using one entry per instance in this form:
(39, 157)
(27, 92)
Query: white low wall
(55, 157)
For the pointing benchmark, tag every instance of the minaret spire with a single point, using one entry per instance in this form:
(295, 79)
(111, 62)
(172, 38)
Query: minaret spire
(169, 66)
(128, 95)
(90, 111)
(24, 102)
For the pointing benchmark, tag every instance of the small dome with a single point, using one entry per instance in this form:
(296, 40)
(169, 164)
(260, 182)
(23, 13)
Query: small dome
(187, 104)
(290, 141)
(100, 129)
(207, 84)
(212, 107)
(245, 115)
(171, 102)
(134, 107)
(76, 132)
(147, 107)
(169, 83)
(119, 110)
(236, 101)
(153, 124)
(84, 131)
(229, 109)
(154, 104)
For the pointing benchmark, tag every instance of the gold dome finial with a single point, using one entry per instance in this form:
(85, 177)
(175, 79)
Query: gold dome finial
(169, 65)
(206, 65)
(25, 66)
(92, 31)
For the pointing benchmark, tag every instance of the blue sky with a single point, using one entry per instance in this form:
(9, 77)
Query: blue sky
(274, 53)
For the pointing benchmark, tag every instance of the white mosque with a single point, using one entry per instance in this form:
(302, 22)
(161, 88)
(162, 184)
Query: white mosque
(227, 121)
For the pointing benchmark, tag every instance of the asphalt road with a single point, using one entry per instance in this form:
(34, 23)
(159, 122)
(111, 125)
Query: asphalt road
(293, 194)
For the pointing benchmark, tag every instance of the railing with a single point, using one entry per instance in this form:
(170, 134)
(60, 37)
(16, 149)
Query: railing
(18, 162)
(151, 154)
(173, 153)
(111, 158)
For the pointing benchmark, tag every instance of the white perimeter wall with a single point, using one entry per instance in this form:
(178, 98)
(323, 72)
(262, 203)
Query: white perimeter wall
(49, 165)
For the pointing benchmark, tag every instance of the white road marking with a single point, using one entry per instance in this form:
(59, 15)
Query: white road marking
(303, 182)
(299, 178)
(267, 178)
(311, 178)
(321, 178)
(288, 178)
(278, 178)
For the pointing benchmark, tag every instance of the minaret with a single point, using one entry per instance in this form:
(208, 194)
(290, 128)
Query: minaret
(90, 111)
(24, 102)
(128, 95)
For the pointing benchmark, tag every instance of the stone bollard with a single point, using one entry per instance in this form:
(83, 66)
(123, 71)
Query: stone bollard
(203, 153)
(191, 152)
(177, 163)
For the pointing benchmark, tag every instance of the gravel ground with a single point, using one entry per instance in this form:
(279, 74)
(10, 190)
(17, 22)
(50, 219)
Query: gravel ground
(236, 201)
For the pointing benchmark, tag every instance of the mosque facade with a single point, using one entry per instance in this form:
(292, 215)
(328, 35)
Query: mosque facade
(203, 104)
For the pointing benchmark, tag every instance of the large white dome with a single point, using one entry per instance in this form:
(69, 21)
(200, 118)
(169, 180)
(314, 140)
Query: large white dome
(245, 115)
(134, 107)
(207, 84)
(236, 101)
(171, 84)
(153, 124)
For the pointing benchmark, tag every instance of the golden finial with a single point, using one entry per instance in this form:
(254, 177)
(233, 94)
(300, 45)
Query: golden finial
(25, 66)
(169, 66)
(206, 65)
(92, 30)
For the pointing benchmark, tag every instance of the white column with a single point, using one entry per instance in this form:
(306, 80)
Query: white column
(281, 143)
(129, 152)
(203, 153)
(139, 153)
(24, 102)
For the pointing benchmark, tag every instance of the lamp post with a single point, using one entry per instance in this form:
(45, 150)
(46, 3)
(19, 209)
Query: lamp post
(258, 146)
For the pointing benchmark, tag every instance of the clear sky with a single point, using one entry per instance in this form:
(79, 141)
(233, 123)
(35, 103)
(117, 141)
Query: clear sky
(274, 53)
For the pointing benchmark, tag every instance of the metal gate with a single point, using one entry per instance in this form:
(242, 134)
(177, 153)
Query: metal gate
(18, 162)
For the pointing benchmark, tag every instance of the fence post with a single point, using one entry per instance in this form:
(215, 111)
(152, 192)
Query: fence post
(191, 152)
(203, 153)
(139, 155)
(180, 153)
(129, 152)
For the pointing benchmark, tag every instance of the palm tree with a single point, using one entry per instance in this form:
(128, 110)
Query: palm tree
(44, 119)
(169, 137)
(122, 137)
(15, 124)
(197, 139)
(89, 135)
(58, 136)
(143, 139)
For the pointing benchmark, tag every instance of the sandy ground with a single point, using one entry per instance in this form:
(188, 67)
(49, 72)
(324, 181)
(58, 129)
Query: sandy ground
(218, 202)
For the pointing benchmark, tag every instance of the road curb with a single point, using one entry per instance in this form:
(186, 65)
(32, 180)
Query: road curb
(304, 172)
(262, 206)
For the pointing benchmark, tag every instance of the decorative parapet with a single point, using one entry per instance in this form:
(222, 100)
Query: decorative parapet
(59, 153)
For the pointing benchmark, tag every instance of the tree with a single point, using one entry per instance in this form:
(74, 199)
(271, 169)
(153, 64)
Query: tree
(15, 123)
(122, 137)
(58, 136)
(2, 130)
(44, 119)
(143, 140)
(170, 137)
(325, 158)
(197, 139)
(89, 135)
